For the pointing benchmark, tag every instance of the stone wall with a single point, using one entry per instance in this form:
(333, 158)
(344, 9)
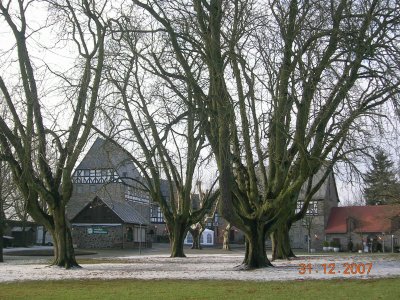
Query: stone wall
(82, 237)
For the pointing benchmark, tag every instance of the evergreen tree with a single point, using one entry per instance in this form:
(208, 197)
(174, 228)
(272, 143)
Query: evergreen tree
(382, 187)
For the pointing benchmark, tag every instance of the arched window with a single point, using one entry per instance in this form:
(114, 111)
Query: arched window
(209, 238)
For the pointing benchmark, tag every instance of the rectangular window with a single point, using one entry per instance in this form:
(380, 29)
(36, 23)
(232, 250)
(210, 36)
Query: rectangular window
(312, 209)
(136, 195)
(156, 215)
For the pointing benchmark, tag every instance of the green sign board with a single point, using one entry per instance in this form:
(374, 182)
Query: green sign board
(97, 230)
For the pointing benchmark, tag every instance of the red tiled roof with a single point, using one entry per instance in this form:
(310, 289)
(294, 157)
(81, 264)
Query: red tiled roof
(375, 218)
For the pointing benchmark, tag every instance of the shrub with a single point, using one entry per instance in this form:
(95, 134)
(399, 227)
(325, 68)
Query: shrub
(335, 244)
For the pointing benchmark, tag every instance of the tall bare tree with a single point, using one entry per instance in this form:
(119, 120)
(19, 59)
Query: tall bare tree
(40, 170)
(2, 215)
(167, 136)
(280, 86)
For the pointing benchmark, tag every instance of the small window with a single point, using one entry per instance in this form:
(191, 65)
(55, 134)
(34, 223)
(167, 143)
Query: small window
(209, 238)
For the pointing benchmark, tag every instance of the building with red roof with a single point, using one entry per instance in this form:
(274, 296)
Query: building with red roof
(364, 224)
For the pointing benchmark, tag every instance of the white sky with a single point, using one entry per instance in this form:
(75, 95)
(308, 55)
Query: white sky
(62, 57)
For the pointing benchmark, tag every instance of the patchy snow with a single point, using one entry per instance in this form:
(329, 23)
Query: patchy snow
(203, 266)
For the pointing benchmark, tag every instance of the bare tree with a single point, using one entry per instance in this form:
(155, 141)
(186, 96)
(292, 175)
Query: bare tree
(166, 134)
(26, 138)
(2, 215)
(280, 87)
(197, 229)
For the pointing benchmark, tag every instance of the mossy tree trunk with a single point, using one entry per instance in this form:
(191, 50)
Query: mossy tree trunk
(1, 243)
(1, 232)
(281, 248)
(256, 255)
(177, 234)
(2, 216)
(64, 254)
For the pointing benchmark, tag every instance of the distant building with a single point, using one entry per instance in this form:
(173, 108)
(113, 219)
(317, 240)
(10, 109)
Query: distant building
(110, 206)
(20, 233)
(108, 223)
(206, 238)
(367, 227)
(317, 215)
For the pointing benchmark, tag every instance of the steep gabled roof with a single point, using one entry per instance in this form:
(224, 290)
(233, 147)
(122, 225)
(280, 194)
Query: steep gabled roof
(327, 187)
(123, 210)
(126, 212)
(367, 219)
(104, 154)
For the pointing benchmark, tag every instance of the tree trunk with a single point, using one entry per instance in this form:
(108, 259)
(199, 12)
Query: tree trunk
(196, 234)
(64, 254)
(177, 237)
(225, 243)
(255, 256)
(2, 216)
(281, 248)
(1, 238)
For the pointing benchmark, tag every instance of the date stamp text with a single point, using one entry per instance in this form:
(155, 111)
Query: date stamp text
(333, 268)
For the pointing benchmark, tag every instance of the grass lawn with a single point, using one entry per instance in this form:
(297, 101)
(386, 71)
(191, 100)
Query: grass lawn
(176, 289)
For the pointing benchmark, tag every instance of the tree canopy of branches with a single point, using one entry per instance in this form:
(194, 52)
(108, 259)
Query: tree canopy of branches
(40, 155)
(168, 138)
(382, 186)
(280, 86)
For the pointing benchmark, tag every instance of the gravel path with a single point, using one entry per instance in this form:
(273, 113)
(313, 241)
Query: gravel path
(203, 266)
